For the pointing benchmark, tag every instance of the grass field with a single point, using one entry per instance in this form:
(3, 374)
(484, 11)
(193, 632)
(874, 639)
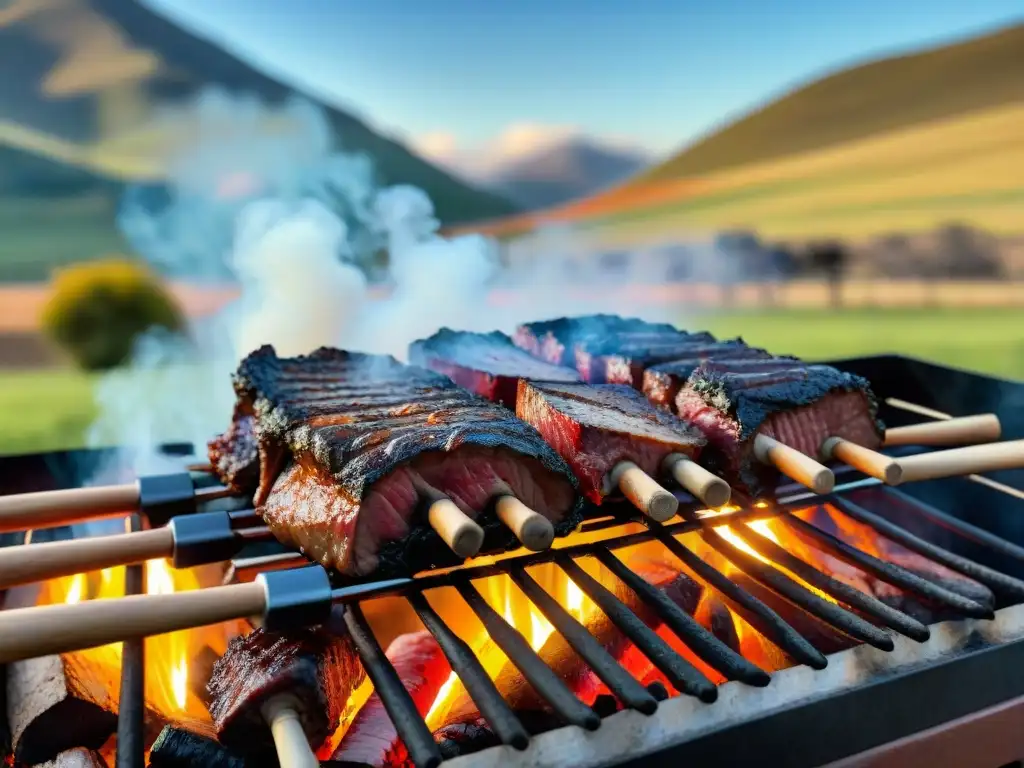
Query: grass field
(50, 410)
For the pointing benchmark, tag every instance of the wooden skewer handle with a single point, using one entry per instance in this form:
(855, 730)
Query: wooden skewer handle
(22, 511)
(27, 633)
(38, 562)
(709, 488)
(871, 463)
(293, 749)
(531, 528)
(794, 464)
(984, 428)
(645, 493)
(459, 530)
(971, 460)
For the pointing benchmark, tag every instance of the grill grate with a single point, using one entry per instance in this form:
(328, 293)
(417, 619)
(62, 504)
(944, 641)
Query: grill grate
(849, 621)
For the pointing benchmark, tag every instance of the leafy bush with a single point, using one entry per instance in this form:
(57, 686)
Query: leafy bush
(98, 309)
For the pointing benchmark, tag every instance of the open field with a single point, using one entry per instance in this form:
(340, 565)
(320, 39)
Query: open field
(966, 169)
(50, 410)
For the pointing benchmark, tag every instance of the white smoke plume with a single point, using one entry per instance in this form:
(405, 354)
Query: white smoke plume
(261, 197)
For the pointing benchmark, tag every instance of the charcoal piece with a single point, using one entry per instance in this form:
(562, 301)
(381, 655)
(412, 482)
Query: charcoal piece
(76, 758)
(58, 703)
(605, 705)
(317, 667)
(487, 364)
(345, 437)
(200, 671)
(555, 340)
(423, 669)
(595, 427)
(176, 748)
(714, 615)
(798, 405)
(458, 739)
(662, 382)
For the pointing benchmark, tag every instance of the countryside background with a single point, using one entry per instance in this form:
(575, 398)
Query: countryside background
(876, 209)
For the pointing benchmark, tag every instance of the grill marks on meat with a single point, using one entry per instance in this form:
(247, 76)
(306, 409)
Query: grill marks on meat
(423, 670)
(662, 382)
(320, 669)
(594, 427)
(798, 405)
(350, 444)
(555, 340)
(622, 358)
(488, 364)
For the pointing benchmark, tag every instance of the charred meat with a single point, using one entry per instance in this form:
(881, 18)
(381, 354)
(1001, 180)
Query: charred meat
(350, 445)
(622, 358)
(594, 427)
(555, 340)
(662, 382)
(488, 364)
(317, 668)
(423, 670)
(797, 404)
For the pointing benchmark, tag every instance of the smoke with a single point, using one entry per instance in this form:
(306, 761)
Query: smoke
(260, 196)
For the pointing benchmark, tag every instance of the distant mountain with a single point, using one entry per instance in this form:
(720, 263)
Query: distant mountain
(75, 70)
(864, 101)
(574, 168)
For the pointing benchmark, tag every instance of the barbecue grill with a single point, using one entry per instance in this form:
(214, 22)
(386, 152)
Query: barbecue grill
(904, 694)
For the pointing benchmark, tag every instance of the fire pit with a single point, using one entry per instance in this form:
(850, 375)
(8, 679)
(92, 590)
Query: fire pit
(867, 626)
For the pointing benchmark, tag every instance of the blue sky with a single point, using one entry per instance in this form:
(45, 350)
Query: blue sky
(473, 78)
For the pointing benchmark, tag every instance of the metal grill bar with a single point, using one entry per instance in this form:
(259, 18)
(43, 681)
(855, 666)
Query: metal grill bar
(841, 591)
(846, 622)
(992, 579)
(708, 648)
(757, 614)
(131, 712)
(684, 677)
(887, 572)
(958, 526)
(398, 703)
(610, 672)
(538, 674)
(473, 676)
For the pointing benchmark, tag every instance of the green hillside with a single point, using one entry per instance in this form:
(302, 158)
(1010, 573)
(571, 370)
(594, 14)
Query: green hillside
(865, 101)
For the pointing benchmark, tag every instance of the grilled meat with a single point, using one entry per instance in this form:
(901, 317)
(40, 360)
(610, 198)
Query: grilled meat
(797, 404)
(662, 382)
(235, 455)
(423, 670)
(555, 340)
(488, 364)
(622, 358)
(349, 444)
(594, 427)
(317, 667)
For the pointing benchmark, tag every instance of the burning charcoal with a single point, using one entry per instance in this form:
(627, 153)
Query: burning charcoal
(489, 365)
(555, 340)
(342, 434)
(76, 758)
(459, 739)
(662, 382)
(175, 748)
(713, 614)
(597, 428)
(798, 405)
(56, 704)
(423, 670)
(317, 668)
(622, 358)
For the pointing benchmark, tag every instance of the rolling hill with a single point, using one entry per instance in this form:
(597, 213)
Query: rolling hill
(76, 72)
(574, 168)
(908, 142)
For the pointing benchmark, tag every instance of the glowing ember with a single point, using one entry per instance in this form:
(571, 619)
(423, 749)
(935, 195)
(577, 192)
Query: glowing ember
(168, 656)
